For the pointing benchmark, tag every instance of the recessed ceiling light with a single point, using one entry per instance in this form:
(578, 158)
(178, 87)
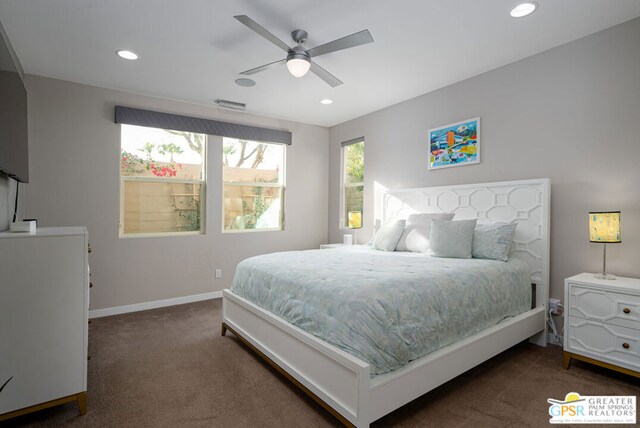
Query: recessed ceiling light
(247, 83)
(326, 101)
(523, 9)
(127, 55)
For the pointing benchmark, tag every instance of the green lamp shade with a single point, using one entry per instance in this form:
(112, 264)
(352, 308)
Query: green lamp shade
(604, 227)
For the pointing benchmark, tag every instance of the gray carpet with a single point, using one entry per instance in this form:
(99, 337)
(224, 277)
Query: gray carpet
(170, 367)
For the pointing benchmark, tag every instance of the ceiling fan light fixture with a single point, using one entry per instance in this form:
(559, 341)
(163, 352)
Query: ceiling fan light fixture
(298, 67)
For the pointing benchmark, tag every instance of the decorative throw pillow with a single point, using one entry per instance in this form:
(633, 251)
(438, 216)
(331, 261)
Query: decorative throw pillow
(493, 241)
(387, 237)
(417, 231)
(452, 238)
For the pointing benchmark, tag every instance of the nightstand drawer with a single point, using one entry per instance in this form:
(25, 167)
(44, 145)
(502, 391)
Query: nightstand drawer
(605, 306)
(606, 342)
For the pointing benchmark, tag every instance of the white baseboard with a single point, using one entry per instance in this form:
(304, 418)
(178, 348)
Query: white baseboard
(97, 313)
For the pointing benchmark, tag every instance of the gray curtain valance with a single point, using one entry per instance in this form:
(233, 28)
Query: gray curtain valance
(154, 119)
(350, 142)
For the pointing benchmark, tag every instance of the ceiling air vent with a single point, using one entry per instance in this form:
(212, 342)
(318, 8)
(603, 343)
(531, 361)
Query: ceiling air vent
(231, 105)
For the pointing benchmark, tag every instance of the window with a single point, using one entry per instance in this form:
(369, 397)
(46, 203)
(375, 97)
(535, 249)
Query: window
(352, 183)
(162, 180)
(253, 188)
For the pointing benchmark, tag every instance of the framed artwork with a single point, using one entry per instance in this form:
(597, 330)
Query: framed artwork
(455, 144)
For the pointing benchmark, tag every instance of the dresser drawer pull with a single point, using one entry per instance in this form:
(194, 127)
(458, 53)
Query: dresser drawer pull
(626, 310)
(625, 345)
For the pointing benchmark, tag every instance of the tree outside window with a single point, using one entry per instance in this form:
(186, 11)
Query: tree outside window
(253, 185)
(353, 184)
(162, 181)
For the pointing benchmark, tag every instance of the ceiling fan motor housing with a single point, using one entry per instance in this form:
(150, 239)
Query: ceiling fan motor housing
(298, 52)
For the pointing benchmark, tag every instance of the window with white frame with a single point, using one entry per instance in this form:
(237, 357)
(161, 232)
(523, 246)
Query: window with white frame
(352, 183)
(162, 181)
(253, 176)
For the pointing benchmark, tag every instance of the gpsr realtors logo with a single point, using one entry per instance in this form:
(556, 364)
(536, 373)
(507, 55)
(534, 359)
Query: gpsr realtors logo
(593, 409)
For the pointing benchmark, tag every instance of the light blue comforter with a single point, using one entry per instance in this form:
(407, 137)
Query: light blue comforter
(385, 308)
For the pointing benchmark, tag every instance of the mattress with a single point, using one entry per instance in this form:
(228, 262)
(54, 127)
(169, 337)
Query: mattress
(385, 308)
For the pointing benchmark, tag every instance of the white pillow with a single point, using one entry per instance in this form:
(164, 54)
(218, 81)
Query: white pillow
(452, 238)
(417, 231)
(493, 241)
(389, 234)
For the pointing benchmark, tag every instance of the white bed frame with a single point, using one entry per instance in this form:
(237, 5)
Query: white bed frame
(339, 381)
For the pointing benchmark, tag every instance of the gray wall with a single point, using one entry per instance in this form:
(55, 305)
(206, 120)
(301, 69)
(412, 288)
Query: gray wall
(74, 155)
(571, 114)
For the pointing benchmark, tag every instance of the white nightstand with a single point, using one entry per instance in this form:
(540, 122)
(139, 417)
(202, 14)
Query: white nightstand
(331, 246)
(602, 322)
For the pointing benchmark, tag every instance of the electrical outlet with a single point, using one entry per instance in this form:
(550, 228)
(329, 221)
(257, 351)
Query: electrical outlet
(218, 273)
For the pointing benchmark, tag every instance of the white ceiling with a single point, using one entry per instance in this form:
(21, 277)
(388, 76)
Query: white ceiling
(193, 50)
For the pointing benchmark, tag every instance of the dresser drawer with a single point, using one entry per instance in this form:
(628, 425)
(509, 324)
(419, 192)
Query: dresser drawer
(605, 342)
(606, 306)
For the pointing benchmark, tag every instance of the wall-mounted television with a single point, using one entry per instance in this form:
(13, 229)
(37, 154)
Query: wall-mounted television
(14, 153)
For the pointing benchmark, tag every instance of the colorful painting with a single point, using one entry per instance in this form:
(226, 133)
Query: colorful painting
(455, 144)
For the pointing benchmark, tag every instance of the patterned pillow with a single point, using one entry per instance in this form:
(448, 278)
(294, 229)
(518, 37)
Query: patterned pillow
(493, 241)
(387, 237)
(452, 238)
(417, 231)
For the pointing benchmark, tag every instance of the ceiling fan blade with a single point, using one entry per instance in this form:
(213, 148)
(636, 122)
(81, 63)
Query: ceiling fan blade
(263, 67)
(356, 39)
(332, 80)
(262, 31)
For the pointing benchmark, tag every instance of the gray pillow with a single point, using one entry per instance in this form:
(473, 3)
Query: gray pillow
(417, 231)
(387, 237)
(452, 238)
(493, 241)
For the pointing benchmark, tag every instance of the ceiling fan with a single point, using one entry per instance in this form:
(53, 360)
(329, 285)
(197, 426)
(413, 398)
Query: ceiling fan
(298, 58)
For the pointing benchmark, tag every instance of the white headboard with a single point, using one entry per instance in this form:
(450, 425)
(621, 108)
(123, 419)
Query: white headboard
(525, 202)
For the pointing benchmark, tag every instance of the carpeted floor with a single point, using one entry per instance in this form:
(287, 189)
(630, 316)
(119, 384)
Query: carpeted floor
(171, 368)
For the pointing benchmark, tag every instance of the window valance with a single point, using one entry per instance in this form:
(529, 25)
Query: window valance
(154, 119)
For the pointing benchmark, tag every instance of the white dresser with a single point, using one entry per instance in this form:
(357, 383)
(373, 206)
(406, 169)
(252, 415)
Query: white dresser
(602, 322)
(44, 301)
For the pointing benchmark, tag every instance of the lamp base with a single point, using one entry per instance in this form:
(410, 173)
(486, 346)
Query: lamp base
(608, 276)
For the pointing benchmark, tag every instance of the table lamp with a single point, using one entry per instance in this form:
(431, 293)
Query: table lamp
(355, 222)
(604, 228)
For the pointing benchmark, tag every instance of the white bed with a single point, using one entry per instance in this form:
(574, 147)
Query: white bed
(340, 381)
